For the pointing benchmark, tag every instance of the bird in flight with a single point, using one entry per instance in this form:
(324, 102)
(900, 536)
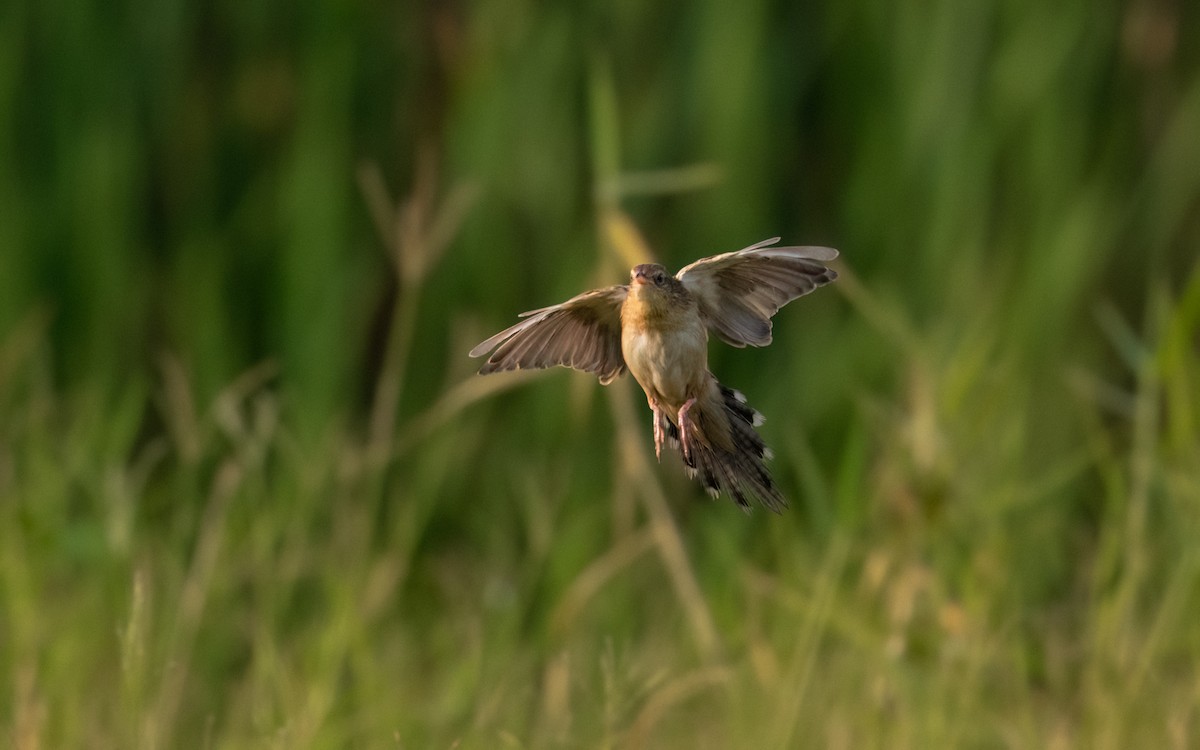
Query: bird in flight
(657, 327)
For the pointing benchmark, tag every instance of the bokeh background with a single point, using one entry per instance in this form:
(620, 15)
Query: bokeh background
(252, 495)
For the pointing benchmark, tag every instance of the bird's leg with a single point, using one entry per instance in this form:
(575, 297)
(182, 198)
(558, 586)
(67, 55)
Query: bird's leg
(659, 432)
(660, 427)
(685, 429)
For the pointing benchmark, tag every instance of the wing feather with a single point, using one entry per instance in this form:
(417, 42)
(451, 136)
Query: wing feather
(583, 333)
(739, 292)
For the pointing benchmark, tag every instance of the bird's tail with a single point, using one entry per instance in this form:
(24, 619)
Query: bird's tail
(726, 453)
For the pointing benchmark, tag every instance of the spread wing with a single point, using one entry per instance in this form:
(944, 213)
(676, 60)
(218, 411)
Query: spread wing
(739, 292)
(584, 333)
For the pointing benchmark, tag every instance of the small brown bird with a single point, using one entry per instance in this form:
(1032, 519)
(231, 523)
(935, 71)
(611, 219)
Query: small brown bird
(657, 327)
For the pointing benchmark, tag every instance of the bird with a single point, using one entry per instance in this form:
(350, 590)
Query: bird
(656, 327)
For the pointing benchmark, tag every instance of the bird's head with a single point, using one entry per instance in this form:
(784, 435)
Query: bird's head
(651, 274)
(653, 285)
(651, 277)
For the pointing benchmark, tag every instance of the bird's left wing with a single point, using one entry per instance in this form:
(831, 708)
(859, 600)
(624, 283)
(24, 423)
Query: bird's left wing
(739, 292)
(583, 333)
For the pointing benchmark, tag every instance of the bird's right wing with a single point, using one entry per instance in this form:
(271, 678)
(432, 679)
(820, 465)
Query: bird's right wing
(583, 333)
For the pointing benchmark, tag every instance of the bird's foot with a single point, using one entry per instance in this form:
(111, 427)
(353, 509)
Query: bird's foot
(660, 431)
(685, 429)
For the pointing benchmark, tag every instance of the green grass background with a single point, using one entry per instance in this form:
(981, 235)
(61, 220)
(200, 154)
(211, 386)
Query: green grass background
(252, 495)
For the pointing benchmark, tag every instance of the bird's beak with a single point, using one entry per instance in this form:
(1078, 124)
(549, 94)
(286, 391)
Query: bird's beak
(640, 277)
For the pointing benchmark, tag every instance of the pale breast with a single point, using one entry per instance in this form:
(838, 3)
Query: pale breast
(670, 364)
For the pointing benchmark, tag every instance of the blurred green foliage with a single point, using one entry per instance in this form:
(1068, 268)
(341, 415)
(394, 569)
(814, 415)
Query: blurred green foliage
(252, 495)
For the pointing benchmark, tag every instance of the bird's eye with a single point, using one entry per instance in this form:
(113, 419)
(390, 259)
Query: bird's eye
(659, 278)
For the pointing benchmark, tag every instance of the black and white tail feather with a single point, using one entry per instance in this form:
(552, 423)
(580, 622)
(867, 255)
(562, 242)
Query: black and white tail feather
(741, 472)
